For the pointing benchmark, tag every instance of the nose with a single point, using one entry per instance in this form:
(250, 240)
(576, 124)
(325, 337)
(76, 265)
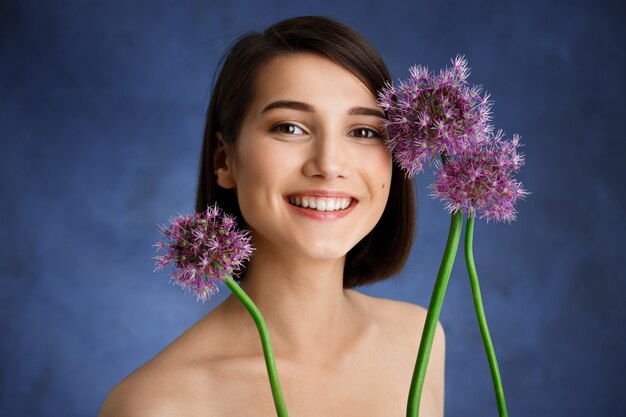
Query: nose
(328, 157)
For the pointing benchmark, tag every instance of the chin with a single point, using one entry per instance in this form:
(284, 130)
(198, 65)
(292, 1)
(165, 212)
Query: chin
(323, 251)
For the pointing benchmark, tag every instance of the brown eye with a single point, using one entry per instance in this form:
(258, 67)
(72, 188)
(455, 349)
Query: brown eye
(366, 133)
(288, 128)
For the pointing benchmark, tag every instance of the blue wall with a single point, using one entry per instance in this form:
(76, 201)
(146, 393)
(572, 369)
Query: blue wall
(101, 116)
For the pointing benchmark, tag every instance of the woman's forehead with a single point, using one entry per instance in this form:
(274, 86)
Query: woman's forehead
(310, 79)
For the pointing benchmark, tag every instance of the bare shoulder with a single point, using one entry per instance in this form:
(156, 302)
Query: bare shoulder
(403, 323)
(144, 393)
(404, 318)
(169, 384)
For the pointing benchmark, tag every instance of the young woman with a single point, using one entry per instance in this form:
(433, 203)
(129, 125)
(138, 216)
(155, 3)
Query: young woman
(294, 147)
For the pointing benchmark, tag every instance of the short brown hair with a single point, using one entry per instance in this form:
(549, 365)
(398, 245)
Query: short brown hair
(383, 252)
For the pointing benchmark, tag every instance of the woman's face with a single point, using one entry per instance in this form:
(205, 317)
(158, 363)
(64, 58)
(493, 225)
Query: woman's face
(313, 136)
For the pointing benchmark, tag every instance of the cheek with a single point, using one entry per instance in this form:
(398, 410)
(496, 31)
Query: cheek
(382, 178)
(259, 171)
(383, 167)
(265, 166)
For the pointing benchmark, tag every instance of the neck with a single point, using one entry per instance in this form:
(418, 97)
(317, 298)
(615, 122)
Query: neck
(309, 314)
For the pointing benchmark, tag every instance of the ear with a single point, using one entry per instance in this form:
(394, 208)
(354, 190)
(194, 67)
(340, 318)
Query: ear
(222, 163)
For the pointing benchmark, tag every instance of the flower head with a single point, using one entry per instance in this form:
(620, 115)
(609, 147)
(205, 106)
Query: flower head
(433, 114)
(480, 179)
(204, 249)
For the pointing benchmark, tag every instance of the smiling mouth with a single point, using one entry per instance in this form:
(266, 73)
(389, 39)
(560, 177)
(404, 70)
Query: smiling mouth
(321, 203)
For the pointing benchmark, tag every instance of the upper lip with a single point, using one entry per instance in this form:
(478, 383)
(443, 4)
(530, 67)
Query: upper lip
(321, 193)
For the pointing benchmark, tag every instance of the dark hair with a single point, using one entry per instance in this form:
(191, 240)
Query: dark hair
(383, 252)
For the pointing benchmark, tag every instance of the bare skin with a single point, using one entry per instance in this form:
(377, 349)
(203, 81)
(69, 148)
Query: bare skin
(216, 369)
(338, 352)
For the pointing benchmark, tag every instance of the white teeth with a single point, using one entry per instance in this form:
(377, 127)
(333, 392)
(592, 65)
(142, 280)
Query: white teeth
(321, 204)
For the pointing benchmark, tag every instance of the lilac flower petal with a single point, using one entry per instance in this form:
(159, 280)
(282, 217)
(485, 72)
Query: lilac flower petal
(198, 245)
(480, 180)
(431, 115)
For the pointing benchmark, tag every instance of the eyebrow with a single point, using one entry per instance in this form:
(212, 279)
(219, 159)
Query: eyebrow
(300, 106)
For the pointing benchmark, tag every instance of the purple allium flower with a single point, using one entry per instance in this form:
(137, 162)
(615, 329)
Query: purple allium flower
(205, 249)
(433, 114)
(480, 179)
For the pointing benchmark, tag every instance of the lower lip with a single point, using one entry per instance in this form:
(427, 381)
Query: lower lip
(323, 215)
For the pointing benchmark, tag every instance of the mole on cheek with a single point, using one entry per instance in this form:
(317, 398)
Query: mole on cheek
(383, 186)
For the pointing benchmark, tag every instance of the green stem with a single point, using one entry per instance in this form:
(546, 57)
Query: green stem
(268, 353)
(432, 317)
(482, 321)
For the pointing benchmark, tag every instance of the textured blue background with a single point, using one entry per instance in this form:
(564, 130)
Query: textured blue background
(101, 116)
